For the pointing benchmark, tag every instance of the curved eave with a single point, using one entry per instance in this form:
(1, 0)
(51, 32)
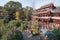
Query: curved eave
(47, 17)
(42, 17)
(42, 12)
(55, 18)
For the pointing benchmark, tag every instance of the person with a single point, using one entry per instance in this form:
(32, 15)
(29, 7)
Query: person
(27, 33)
(41, 35)
(49, 35)
(43, 30)
(46, 37)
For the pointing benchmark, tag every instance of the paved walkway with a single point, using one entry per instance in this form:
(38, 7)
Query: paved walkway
(34, 37)
(25, 35)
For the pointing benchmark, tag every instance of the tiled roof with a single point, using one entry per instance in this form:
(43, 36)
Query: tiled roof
(57, 9)
(48, 5)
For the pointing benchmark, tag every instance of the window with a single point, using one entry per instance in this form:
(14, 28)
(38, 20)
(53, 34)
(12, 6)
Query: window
(59, 15)
(51, 14)
(51, 20)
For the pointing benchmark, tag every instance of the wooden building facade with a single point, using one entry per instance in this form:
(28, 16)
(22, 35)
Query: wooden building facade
(47, 16)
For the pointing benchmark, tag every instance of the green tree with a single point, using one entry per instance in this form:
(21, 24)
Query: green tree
(10, 31)
(15, 24)
(3, 12)
(12, 35)
(28, 12)
(3, 30)
(11, 8)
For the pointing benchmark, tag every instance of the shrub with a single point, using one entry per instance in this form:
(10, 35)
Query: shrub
(14, 23)
(3, 30)
(8, 33)
(12, 35)
(1, 22)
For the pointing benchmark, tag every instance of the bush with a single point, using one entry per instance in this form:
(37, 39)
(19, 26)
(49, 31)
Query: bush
(22, 27)
(8, 33)
(1, 22)
(3, 30)
(12, 35)
(14, 23)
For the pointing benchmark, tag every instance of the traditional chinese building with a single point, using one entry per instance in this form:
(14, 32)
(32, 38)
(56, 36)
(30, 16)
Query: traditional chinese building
(47, 16)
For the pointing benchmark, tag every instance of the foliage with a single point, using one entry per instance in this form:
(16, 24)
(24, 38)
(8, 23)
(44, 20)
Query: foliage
(57, 33)
(6, 19)
(14, 23)
(27, 12)
(8, 33)
(52, 37)
(12, 35)
(3, 30)
(11, 8)
(8, 25)
(22, 27)
(34, 27)
(1, 22)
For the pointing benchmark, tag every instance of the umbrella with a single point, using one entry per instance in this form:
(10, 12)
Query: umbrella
(49, 33)
(44, 30)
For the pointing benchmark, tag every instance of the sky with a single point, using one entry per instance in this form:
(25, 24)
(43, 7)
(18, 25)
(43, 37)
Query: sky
(33, 3)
